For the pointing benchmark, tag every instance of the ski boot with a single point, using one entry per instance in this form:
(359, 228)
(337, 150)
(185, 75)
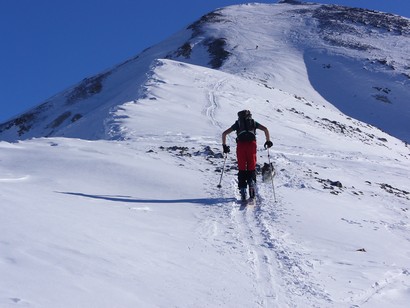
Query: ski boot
(252, 190)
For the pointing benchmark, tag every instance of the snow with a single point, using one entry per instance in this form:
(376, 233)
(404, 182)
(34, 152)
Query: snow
(121, 209)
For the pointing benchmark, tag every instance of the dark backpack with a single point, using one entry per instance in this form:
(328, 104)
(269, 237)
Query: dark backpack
(246, 126)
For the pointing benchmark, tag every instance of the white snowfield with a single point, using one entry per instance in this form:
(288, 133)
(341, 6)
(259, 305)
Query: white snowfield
(121, 208)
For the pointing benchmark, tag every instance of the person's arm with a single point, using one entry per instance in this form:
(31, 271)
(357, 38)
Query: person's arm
(268, 143)
(265, 130)
(226, 148)
(225, 133)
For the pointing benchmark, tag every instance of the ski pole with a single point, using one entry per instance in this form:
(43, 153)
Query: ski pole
(223, 168)
(273, 186)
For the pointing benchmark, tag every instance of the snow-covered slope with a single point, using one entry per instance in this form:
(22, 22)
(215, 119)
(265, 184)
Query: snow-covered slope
(119, 208)
(141, 223)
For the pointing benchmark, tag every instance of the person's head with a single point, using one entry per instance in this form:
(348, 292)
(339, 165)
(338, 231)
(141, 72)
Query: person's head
(244, 114)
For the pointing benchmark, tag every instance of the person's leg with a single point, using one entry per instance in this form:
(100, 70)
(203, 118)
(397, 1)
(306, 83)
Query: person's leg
(242, 173)
(242, 178)
(251, 180)
(251, 159)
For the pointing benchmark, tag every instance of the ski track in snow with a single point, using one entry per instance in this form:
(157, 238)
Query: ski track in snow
(277, 273)
(272, 264)
(213, 103)
(247, 231)
(250, 234)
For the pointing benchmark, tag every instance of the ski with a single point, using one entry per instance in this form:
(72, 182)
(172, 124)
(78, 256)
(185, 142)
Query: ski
(250, 202)
(245, 200)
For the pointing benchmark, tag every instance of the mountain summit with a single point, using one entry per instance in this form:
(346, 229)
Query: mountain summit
(355, 60)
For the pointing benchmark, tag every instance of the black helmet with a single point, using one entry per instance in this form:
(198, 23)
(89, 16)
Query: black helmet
(244, 114)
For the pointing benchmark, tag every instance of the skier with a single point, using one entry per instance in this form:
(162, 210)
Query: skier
(245, 128)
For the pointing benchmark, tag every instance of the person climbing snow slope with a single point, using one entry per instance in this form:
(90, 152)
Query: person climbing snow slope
(246, 145)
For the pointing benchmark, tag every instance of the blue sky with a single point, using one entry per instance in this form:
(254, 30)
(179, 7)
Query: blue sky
(49, 45)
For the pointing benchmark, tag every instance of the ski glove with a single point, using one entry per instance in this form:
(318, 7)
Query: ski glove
(268, 144)
(227, 149)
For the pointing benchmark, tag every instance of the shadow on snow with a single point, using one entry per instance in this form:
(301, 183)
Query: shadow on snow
(203, 201)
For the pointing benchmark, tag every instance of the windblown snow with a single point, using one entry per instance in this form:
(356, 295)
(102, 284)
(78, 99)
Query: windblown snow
(108, 190)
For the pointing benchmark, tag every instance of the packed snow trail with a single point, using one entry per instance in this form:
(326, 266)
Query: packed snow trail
(273, 267)
(279, 278)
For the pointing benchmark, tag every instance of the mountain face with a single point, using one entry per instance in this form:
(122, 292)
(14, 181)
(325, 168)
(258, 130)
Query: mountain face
(351, 59)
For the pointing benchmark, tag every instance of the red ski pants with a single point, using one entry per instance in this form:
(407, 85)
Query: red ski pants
(246, 155)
